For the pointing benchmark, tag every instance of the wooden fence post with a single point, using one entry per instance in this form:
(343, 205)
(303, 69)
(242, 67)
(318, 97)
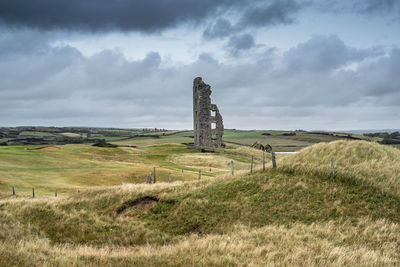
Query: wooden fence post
(154, 175)
(151, 178)
(263, 159)
(169, 177)
(273, 160)
(183, 177)
(55, 193)
(232, 168)
(199, 174)
(251, 164)
(13, 190)
(33, 192)
(332, 166)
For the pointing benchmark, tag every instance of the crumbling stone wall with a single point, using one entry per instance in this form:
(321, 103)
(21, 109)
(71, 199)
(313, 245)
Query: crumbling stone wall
(204, 134)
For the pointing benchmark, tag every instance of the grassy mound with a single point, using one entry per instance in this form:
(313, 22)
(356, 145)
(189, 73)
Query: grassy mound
(362, 161)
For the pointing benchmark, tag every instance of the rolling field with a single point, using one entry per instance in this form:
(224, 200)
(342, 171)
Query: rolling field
(298, 214)
(281, 142)
(277, 139)
(70, 168)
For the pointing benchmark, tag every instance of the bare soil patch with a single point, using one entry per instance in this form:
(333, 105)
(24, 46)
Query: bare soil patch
(140, 203)
(50, 148)
(47, 148)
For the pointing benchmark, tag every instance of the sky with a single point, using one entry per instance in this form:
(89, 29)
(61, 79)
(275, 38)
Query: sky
(271, 64)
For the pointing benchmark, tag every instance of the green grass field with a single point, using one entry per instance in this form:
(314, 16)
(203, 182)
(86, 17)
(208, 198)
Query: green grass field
(298, 214)
(69, 168)
(276, 139)
(281, 142)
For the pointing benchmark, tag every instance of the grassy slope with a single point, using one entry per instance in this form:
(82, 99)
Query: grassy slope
(288, 216)
(73, 167)
(365, 162)
(68, 167)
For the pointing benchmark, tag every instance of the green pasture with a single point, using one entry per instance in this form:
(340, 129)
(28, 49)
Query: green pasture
(68, 168)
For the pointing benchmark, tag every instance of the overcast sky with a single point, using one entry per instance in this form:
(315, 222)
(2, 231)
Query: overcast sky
(271, 64)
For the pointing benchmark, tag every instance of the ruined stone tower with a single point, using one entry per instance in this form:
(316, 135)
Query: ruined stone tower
(208, 128)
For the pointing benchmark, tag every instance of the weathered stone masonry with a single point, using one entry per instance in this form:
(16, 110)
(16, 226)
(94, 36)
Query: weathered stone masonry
(208, 129)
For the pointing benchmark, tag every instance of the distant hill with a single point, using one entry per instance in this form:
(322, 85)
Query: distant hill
(370, 131)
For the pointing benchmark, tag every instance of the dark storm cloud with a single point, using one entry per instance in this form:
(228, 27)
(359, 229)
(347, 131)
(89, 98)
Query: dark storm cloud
(274, 13)
(377, 7)
(99, 15)
(146, 16)
(389, 8)
(240, 42)
(255, 15)
(385, 5)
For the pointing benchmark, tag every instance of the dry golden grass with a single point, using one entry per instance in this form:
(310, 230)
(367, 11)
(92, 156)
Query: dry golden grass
(214, 161)
(206, 161)
(367, 243)
(367, 162)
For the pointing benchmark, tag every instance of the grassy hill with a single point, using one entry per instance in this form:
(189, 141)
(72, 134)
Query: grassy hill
(297, 214)
(362, 162)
